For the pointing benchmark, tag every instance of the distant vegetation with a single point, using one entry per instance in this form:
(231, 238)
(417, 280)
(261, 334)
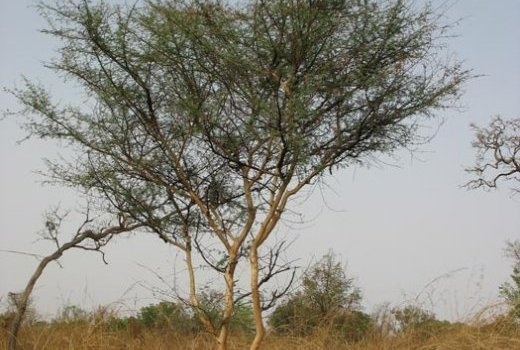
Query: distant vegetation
(169, 325)
(323, 312)
(510, 291)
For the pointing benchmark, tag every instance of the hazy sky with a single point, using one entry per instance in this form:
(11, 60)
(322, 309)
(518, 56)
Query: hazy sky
(398, 227)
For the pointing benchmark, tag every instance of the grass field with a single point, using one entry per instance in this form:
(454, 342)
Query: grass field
(499, 334)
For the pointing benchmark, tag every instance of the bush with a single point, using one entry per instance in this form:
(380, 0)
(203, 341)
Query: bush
(510, 291)
(412, 318)
(211, 303)
(327, 299)
(165, 315)
(354, 325)
(293, 316)
(177, 316)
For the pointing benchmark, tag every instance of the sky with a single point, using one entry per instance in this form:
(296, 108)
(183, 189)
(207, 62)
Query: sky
(406, 232)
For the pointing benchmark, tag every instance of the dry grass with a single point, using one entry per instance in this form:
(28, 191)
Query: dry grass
(457, 338)
(500, 334)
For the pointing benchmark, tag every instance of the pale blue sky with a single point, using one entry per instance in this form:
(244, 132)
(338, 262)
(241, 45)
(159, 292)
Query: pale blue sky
(398, 227)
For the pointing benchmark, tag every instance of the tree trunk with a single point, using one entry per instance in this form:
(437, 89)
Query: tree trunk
(193, 291)
(222, 338)
(230, 302)
(255, 296)
(21, 305)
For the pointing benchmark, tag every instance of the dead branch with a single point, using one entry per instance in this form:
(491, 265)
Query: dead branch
(498, 154)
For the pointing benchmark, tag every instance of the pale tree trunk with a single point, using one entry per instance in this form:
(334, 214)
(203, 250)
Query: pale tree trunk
(229, 298)
(220, 335)
(193, 291)
(278, 203)
(21, 304)
(232, 264)
(255, 296)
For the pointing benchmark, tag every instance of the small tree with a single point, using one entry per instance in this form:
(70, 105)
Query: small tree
(203, 120)
(327, 289)
(328, 298)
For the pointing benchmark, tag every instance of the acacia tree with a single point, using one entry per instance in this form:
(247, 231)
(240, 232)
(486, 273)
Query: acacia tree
(203, 119)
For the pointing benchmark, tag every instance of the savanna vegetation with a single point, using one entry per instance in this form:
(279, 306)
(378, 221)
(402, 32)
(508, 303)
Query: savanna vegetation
(323, 312)
(202, 121)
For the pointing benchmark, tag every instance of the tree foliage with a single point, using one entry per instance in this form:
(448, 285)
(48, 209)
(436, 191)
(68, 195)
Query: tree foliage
(327, 288)
(202, 120)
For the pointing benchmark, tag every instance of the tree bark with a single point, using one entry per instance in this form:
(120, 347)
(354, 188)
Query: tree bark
(255, 296)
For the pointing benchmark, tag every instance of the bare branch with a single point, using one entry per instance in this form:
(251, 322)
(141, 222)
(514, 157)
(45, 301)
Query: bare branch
(498, 155)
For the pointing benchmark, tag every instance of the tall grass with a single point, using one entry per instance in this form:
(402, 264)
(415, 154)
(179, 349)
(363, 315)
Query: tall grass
(501, 333)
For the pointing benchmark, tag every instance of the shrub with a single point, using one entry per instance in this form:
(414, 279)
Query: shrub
(414, 319)
(327, 299)
(165, 315)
